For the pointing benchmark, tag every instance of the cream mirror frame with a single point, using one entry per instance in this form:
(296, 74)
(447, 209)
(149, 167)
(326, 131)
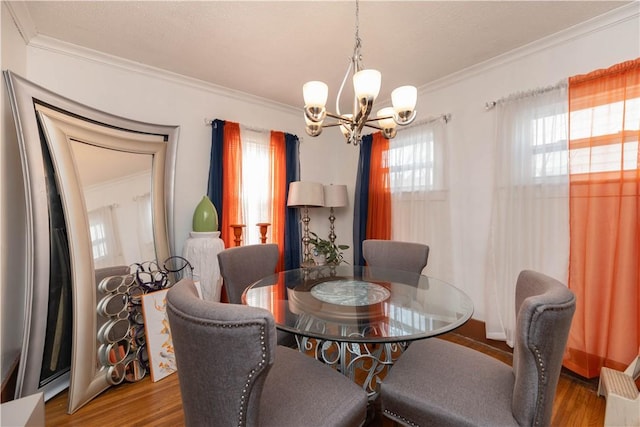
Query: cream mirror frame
(47, 121)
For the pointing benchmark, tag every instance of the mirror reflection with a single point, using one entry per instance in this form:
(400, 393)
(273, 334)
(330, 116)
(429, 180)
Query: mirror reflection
(117, 188)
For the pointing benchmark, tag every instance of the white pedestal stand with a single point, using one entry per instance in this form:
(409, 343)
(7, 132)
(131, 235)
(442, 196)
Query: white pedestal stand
(201, 250)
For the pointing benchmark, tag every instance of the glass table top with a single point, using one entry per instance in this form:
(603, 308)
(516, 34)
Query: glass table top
(360, 304)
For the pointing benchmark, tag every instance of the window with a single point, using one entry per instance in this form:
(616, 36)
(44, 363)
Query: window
(414, 162)
(105, 241)
(256, 185)
(609, 130)
(602, 124)
(98, 241)
(549, 151)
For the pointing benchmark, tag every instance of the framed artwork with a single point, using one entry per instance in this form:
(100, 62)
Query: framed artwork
(162, 359)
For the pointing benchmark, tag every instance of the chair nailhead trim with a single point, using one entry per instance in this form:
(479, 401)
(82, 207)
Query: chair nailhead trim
(400, 417)
(542, 376)
(247, 385)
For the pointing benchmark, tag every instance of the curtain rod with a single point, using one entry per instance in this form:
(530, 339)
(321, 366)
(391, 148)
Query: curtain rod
(208, 122)
(520, 95)
(444, 117)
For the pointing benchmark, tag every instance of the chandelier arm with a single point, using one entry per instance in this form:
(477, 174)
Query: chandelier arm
(336, 116)
(363, 115)
(369, 125)
(344, 80)
(328, 125)
(375, 119)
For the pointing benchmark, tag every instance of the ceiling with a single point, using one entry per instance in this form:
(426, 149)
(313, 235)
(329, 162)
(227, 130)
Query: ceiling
(271, 48)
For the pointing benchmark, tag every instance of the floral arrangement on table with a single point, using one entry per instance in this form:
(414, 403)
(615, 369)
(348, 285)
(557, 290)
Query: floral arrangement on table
(332, 252)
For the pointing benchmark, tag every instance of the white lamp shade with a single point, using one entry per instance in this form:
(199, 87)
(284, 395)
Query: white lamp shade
(404, 98)
(303, 193)
(366, 84)
(388, 122)
(315, 94)
(335, 196)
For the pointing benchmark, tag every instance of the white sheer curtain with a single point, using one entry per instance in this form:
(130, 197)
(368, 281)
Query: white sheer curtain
(420, 208)
(145, 228)
(530, 214)
(105, 237)
(256, 188)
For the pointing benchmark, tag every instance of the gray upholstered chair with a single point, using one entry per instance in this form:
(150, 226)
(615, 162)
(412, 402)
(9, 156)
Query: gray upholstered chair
(243, 265)
(436, 382)
(232, 373)
(394, 254)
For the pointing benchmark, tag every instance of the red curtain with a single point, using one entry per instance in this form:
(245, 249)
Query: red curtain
(379, 208)
(232, 182)
(604, 260)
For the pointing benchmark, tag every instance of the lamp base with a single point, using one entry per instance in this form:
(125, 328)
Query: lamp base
(308, 263)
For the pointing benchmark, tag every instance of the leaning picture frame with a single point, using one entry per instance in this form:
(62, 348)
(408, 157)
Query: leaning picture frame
(162, 360)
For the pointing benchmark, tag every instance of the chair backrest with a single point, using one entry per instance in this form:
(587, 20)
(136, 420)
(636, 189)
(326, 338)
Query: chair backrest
(406, 256)
(243, 265)
(223, 354)
(545, 309)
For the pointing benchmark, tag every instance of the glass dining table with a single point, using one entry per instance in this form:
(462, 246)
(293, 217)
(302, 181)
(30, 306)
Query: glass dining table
(359, 319)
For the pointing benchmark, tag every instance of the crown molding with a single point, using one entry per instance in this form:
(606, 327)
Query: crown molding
(22, 18)
(20, 15)
(85, 54)
(583, 29)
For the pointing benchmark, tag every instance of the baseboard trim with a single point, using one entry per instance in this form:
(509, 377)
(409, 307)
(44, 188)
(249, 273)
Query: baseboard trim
(476, 330)
(10, 381)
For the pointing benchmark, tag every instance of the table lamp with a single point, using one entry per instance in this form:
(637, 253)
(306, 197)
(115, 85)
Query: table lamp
(304, 195)
(335, 196)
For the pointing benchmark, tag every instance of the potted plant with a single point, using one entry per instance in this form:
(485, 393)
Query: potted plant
(332, 253)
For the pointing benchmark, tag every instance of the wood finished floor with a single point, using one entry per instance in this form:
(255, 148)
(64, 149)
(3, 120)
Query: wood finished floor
(159, 404)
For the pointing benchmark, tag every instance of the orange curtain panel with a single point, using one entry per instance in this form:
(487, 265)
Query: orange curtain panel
(604, 260)
(232, 182)
(278, 172)
(379, 208)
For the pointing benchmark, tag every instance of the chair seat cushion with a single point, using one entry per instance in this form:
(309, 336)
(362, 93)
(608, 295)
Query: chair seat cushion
(456, 386)
(337, 401)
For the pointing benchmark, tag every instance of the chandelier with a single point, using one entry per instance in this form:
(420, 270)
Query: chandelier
(366, 86)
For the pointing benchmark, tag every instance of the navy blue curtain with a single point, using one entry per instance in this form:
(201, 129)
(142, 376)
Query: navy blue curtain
(214, 188)
(361, 203)
(292, 255)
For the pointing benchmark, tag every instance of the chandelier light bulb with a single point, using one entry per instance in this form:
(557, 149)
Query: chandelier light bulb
(315, 94)
(404, 101)
(386, 122)
(366, 84)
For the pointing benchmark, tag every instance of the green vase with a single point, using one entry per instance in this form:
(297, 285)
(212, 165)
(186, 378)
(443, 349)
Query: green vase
(205, 217)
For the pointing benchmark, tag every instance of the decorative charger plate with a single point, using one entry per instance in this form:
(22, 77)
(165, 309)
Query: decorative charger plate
(354, 293)
(340, 300)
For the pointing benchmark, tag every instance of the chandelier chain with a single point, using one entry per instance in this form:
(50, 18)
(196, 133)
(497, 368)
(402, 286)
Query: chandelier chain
(357, 57)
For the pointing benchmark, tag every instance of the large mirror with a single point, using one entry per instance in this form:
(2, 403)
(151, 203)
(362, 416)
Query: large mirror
(99, 191)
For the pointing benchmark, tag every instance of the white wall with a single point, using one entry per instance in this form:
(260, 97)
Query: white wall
(614, 38)
(12, 211)
(131, 90)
